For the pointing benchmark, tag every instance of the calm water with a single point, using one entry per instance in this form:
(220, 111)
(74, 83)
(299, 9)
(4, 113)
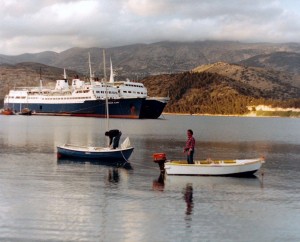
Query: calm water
(42, 199)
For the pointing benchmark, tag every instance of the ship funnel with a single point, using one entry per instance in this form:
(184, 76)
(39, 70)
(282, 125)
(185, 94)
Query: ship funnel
(65, 74)
(111, 78)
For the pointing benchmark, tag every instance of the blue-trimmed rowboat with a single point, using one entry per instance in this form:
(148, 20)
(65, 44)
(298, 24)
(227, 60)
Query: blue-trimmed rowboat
(99, 153)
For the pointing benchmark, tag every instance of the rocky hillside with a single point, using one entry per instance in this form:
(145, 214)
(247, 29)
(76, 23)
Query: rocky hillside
(282, 61)
(202, 93)
(207, 92)
(273, 84)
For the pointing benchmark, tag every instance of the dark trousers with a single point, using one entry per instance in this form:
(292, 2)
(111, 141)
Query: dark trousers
(116, 140)
(190, 158)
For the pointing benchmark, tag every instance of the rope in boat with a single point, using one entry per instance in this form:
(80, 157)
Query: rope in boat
(129, 162)
(124, 156)
(141, 165)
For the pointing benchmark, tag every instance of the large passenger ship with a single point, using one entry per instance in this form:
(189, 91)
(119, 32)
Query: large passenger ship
(126, 99)
(77, 99)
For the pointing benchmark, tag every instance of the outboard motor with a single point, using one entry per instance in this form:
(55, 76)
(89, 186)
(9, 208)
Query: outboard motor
(160, 159)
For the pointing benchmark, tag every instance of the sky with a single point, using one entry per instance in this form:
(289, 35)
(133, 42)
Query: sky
(32, 26)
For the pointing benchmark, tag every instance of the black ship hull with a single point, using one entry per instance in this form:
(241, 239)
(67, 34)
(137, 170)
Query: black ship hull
(152, 108)
(118, 108)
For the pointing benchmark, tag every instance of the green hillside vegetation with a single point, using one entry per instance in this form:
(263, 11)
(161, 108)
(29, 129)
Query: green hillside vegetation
(208, 93)
(201, 93)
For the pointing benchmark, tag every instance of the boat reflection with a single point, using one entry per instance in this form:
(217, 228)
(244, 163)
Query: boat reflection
(167, 182)
(172, 182)
(115, 164)
(113, 175)
(159, 183)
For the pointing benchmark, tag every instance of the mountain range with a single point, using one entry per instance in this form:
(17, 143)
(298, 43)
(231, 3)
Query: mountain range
(140, 60)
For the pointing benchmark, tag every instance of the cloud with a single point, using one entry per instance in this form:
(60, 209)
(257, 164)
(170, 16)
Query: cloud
(34, 26)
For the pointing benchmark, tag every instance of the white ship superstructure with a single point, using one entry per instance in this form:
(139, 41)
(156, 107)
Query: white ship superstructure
(79, 98)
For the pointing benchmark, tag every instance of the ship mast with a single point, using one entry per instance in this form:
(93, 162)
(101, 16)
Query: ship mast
(65, 74)
(106, 91)
(91, 74)
(41, 81)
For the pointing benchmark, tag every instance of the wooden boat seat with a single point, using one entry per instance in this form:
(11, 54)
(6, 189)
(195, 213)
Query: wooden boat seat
(203, 162)
(209, 161)
(229, 161)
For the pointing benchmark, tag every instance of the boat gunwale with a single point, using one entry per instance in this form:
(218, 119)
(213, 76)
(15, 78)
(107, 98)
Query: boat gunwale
(250, 161)
(234, 174)
(91, 149)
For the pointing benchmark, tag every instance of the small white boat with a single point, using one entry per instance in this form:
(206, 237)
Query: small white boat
(238, 167)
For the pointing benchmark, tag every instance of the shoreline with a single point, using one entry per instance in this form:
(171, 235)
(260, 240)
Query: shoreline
(248, 115)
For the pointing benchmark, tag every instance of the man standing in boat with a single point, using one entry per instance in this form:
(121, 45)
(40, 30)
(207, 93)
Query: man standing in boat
(190, 147)
(114, 137)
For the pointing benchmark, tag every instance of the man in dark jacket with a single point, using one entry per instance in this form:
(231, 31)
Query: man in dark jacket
(114, 137)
